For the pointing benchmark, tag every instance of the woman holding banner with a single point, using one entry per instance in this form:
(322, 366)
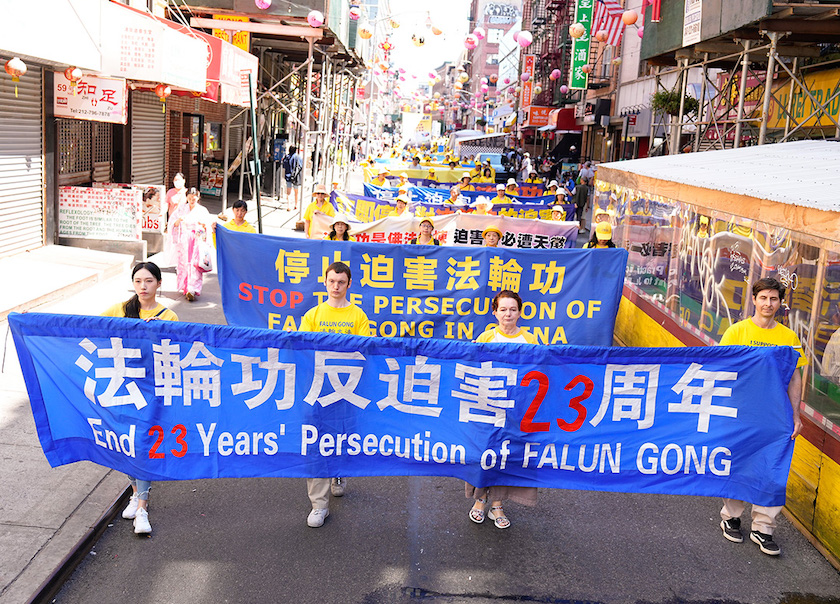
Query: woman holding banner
(147, 279)
(507, 308)
(339, 231)
(188, 227)
(425, 238)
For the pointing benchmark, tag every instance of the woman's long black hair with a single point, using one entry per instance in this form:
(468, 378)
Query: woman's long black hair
(593, 241)
(345, 237)
(131, 308)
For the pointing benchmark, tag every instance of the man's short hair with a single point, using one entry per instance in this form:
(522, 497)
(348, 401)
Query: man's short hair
(339, 268)
(768, 283)
(240, 203)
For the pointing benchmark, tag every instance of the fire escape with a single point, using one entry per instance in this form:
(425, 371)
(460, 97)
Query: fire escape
(550, 27)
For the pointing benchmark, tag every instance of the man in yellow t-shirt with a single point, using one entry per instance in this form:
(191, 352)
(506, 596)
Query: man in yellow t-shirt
(321, 204)
(336, 315)
(762, 330)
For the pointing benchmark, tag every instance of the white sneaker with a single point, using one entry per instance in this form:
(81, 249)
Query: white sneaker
(141, 522)
(337, 486)
(131, 509)
(317, 516)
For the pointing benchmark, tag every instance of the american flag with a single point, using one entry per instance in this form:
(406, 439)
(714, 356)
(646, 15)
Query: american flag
(608, 18)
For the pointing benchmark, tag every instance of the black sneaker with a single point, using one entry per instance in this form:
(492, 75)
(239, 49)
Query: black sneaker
(732, 530)
(765, 543)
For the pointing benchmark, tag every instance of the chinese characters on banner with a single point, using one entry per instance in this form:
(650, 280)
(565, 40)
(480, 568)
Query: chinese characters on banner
(153, 196)
(578, 80)
(99, 213)
(171, 401)
(94, 98)
(570, 296)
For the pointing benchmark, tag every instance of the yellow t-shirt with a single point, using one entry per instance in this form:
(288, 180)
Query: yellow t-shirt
(503, 199)
(327, 209)
(328, 319)
(747, 333)
(328, 238)
(244, 227)
(495, 335)
(117, 310)
(466, 188)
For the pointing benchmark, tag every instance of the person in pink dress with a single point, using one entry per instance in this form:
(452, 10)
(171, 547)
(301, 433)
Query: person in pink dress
(177, 194)
(188, 226)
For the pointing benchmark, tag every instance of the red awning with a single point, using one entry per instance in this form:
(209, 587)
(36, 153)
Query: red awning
(566, 121)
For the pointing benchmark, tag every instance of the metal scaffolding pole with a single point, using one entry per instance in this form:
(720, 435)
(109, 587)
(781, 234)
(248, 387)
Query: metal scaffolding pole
(768, 86)
(742, 89)
(676, 131)
(701, 110)
(789, 107)
(305, 129)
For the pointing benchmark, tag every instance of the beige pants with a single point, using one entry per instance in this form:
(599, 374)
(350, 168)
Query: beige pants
(318, 490)
(763, 518)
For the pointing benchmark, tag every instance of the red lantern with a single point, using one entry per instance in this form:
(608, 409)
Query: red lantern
(163, 91)
(15, 68)
(73, 75)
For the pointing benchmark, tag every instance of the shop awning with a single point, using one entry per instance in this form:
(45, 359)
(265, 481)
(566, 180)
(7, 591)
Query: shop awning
(566, 121)
(140, 47)
(548, 128)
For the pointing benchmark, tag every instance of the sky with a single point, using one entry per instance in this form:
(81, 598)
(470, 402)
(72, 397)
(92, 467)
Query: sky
(452, 16)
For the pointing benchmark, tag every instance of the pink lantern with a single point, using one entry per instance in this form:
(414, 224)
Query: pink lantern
(516, 36)
(564, 89)
(484, 88)
(506, 80)
(262, 4)
(483, 80)
(355, 12)
(471, 42)
(525, 38)
(315, 18)
(602, 35)
(401, 70)
(555, 74)
(577, 30)
(640, 32)
(479, 33)
(525, 77)
(629, 17)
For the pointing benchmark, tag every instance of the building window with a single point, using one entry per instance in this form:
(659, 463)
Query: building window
(493, 59)
(494, 36)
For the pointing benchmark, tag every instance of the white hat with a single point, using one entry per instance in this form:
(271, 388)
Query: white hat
(482, 200)
(511, 181)
(553, 183)
(500, 187)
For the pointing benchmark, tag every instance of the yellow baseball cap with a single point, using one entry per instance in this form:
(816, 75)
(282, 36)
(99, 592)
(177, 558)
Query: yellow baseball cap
(491, 229)
(429, 220)
(603, 231)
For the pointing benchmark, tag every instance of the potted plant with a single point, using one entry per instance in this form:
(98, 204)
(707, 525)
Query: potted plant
(668, 101)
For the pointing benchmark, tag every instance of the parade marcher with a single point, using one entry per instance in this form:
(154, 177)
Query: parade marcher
(403, 182)
(601, 237)
(491, 235)
(580, 199)
(336, 315)
(147, 280)
(293, 173)
(511, 188)
(464, 183)
(415, 162)
(551, 188)
(454, 194)
(238, 222)
(762, 330)
(401, 203)
(381, 180)
(425, 237)
(486, 176)
(600, 214)
(500, 195)
(488, 164)
(339, 231)
(188, 227)
(177, 194)
(507, 308)
(703, 227)
(533, 178)
(558, 212)
(525, 168)
(432, 175)
(321, 204)
(482, 205)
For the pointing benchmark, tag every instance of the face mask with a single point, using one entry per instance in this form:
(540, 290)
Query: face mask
(179, 184)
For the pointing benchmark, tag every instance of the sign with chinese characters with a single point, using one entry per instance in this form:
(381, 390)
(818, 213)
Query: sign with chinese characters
(177, 401)
(528, 63)
(441, 193)
(578, 79)
(570, 295)
(99, 213)
(368, 209)
(94, 98)
(538, 116)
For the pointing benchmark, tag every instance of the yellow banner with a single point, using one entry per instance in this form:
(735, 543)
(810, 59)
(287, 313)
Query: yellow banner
(822, 86)
(241, 39)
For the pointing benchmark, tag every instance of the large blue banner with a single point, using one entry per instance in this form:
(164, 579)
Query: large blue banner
(435, 195)
(167, 401)
(570, 295)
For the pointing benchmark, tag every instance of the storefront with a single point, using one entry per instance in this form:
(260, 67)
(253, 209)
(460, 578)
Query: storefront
(700, 228)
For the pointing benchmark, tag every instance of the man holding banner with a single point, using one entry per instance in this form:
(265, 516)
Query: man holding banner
(321, 204)
(336, 315)
(763, 330)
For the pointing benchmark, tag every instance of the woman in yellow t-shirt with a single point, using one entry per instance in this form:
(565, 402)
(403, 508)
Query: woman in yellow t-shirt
(143, 305)
(507, 308)
(340, 231)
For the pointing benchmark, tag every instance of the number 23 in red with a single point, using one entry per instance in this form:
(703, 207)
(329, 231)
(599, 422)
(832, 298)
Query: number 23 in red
(529, 425)
(180, 430)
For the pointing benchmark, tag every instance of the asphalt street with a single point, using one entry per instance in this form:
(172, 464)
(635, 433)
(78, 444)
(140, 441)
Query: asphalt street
(407, 539)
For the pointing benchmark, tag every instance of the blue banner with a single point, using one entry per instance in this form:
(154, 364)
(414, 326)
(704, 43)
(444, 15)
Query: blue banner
(440, 195)
(169, 401)
(570, 296)
(368, 209)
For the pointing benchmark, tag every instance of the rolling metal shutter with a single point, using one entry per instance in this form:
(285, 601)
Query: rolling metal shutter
(21, 164)
(148, 145)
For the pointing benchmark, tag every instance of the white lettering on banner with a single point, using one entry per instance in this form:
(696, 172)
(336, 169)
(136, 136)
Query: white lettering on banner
(704, 409)
(175, 377)
(673, 459)
(244, 443)
(108, 439)
(417, 447)
(602, 453)
(116, 374)
(410, 394)
(341, 390)
(273, 366)
(631, 388)
(480, 392)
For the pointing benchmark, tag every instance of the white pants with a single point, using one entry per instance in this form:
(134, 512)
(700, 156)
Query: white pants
(318, 490)
(763, 518)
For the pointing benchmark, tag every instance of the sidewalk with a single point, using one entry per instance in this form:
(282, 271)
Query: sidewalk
(46, 513)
